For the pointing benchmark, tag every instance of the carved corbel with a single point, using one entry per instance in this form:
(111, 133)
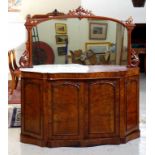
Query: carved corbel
(134, 58)
(25, 60)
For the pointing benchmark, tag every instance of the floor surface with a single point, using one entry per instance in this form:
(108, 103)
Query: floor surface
(134, 147)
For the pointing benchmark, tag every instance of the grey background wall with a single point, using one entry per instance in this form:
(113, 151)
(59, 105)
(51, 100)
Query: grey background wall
(120, 9)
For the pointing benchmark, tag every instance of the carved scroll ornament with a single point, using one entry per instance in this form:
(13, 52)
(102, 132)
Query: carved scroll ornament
(129, 20)
(24, 59)
(134, 58)
(55, 13)
(80, 12)
(129, 23)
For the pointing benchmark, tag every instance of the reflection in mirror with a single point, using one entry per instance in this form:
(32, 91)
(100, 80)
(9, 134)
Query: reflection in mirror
(99, 42)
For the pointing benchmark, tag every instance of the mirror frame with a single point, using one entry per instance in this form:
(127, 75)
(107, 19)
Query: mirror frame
(26, 58)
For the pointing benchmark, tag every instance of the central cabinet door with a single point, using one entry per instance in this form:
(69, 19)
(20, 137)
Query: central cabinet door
(102, 119)
(65, 110)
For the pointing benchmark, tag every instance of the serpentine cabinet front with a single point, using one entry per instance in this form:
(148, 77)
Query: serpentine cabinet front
(80, 111)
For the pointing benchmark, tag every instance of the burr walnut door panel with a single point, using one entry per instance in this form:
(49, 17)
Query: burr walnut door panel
(103, 109)
(132, 103)
(65, 110)
(32, 108)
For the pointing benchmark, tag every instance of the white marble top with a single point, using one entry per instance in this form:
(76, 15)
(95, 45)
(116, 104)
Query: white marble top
(73, 68)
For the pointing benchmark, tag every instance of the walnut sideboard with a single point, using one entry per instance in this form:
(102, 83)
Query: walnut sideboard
(76, 105)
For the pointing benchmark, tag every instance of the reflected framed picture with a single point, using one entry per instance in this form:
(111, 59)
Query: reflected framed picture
(101, 50)
(60, 28)
(98, 47)
(61, 50)
(61, 39)
(98, 31)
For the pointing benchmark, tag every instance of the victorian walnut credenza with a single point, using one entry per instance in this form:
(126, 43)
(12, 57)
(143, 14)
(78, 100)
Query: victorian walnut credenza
(66, 104)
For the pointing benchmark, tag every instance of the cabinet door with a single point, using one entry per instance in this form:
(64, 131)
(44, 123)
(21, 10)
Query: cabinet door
(102, 109)
(65, 110)
(32, 108)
